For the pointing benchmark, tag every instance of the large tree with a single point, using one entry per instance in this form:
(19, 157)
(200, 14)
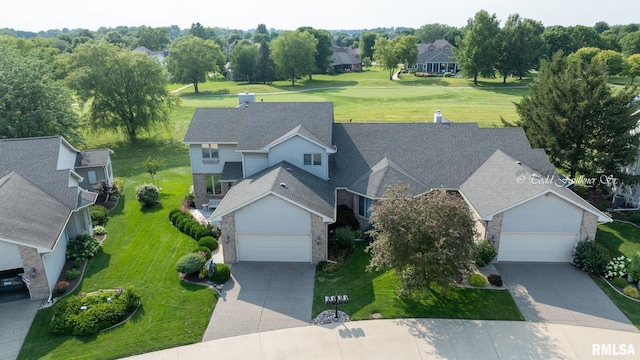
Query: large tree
(191, 59)
(152, 38)
(367, 41)
(479, 47)
(427, 238)
(631, 43)
(242, 59)
(293, 53)
(127, 90)
(609, 60)
(406, 48)
(32, 102)
(584, 125)
(324, 53)
(385, 55)
(632, 66)
(522, 47)
(264, 69)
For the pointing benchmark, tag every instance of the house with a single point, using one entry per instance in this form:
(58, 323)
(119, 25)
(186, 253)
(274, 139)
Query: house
(282, 169)
(435, 58)
(94, 166)
(158, 55)
(345, 60)
(42, 206)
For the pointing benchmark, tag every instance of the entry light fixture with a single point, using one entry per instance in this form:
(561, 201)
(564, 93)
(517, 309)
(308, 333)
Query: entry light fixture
(318, 239)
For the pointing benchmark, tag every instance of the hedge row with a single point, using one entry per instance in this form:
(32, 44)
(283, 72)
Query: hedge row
(189, 226)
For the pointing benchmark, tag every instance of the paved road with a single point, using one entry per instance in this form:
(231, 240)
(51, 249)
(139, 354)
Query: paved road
(262, 297)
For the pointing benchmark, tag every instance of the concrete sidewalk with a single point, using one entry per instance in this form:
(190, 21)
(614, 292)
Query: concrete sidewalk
(416, 339)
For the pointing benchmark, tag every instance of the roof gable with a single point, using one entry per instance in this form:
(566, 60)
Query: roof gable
(382, 175)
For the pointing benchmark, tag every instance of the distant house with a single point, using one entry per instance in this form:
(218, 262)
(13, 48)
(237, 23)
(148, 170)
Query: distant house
(159, 55)
(435, 58)
(345, 59)
(277, 173)
(43, 204)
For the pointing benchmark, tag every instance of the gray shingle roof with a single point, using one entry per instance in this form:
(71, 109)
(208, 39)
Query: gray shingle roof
(302, 188)
(502, 182)
(93, 158)
(255, 125)
(343, 58)
(28, 214)
(36, 159)
(231, 171)
(437, 155)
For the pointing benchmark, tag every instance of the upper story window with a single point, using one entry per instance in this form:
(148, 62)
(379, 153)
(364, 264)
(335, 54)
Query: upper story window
(312, 159)
(210, 153)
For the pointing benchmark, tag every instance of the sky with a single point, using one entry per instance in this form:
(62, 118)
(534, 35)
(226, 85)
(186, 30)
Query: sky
(37, 15)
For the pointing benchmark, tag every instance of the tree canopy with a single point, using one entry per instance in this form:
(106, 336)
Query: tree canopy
(479, 47)
(426, 239)
(243, 59)
(127, 90)
(32, 102)
(293, 53)
(152, 38)
(192, 58)
(521, 48)
(324, 54)
(585, 127)
(632, 66)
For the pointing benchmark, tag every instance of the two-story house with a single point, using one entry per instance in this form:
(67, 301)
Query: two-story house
(42, 205)
(284, 168)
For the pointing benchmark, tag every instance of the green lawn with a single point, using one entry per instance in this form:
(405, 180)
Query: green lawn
(140, 250)
(620, 238)
(377, 291)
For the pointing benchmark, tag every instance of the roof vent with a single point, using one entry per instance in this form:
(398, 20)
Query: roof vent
(283, 185)
(518, 162)
(437, 117)
(288, 169)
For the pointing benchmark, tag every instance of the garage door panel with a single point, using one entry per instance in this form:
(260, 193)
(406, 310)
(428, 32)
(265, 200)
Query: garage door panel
(548, 214)
(540, 247)
(10, 256)
(274, 247)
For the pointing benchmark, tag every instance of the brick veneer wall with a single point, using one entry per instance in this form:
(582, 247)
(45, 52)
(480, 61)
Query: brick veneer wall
(200, 190)
(318, 230)
(493, 229)
(38, 285)
(588, 226)
(228, 228)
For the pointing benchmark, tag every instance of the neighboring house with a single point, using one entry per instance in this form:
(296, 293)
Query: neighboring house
(42, 206)
(345, 60)
(159, 55)
(436, 58)
(284, 168)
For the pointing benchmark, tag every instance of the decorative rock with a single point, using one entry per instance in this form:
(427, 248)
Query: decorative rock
(329, 316)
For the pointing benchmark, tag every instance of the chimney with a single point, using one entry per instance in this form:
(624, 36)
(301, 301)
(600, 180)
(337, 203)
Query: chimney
(437, 117)
(246, 97)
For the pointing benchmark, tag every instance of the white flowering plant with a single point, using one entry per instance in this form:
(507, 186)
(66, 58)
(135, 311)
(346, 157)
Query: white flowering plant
(617, 267)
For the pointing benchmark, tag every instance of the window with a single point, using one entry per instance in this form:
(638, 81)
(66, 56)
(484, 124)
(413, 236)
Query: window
(92, 177)
(313, 159)
(213, 185)
(364, 206)
(210, 153)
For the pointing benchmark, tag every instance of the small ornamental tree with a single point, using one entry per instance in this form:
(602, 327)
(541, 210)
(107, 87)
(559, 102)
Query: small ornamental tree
(427, 238)
(147, 195)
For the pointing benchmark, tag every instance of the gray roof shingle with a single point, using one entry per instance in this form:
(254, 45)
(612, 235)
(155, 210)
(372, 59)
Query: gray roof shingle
(93, 158)
(302, 188)
(437, 155)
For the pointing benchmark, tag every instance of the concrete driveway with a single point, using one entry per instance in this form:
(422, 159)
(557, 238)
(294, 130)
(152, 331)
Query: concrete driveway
(560, 294)
(15, 320)
(261, 297)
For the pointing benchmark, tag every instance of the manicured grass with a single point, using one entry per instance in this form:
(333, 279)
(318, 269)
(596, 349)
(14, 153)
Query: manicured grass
(377, 291)
(141, 249)
(629, 307)
(619, 238)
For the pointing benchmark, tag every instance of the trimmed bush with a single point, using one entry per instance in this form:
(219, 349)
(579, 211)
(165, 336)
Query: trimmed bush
(204, 251)
(196, 230)
(634, 217)
(495, 279)
(173, 212)
(591, 257)
(82, 247)
(631, 291)
(98, 214)
(634, 267)
(183, 222)
(147, 195)
(484, 252)
(620, 282)
(222, 274)
(477, 280)
(208, 241)
(321, 265)
(175, 218)
(190, 263)
(60, 287)
(72, 274)
(214, 231)
(202, 232)
(344, 239)
(99, 230)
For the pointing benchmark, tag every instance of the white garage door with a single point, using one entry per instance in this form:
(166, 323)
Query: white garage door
(540, 247)
(9, 256)
(274, 247)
